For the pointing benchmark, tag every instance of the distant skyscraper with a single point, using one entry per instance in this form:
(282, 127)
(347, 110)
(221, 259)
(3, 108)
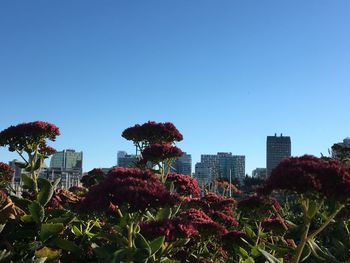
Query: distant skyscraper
(183, 164)
(238, 166)
(223, 163)
(277, 148)
(126, 160)
(203, 174)
(66, 165)
(259, 173)
(67, 159)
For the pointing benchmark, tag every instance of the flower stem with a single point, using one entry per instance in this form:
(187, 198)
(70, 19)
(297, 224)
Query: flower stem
(326, 223)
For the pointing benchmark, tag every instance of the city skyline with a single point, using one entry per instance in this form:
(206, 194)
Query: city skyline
(226, 73)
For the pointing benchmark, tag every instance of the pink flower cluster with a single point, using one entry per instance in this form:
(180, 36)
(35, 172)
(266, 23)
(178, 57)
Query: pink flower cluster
(159, 152)
(26, 136)
(138, 190)
(170, 228)
(309, 174)
(6, 172)
(153, 132)
(184, 184)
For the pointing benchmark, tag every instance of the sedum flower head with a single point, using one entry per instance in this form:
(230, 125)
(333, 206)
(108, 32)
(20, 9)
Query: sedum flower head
(153, 132)
(27, 136)
(184, 184)
(138, 190)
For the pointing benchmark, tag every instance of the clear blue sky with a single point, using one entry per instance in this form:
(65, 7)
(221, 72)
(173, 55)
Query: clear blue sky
(227, 73)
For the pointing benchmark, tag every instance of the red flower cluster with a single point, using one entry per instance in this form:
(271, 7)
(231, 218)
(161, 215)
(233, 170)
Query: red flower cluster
(217, 207)
(138, 190)
(25, 136)
(159, 152)
(218, 202)
(170, 228)
(258, 206)
(184, 184)
(93, 177)
(233, 237)
(6, 172)
(309, 174)
(47, 150)
(205, 225)
(153, 132)
(274, 224)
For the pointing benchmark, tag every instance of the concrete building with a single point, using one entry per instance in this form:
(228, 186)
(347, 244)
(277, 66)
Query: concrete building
(125, 159)
(277, 149)
(183, 164)
(259, 173)
(66, 165)
(224, 163)
(203, 174)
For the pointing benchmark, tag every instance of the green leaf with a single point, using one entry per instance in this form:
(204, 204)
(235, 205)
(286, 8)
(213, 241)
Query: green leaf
(49, 230)
(27, 218)
(269, 257)
(319, 253)
(66, 245)
(163, 213)
(37, 212)
(156, 244)
(27, 182)
(37, 164)
(141, 242)
(21, 202)
(249, 231)
(56, 182)
(243, 252)
(46, 191)
(249, 260)
(21, 165)
(76, 231)
(313, 208)
(305, 254)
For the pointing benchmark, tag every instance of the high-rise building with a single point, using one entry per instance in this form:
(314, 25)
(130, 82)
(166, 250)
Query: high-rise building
(125, 159)
(67, 159)
(66, 165)
(203, 174)
(238, 166)
(259, 173)
(183, 164)
(224, 163)
(277, 149)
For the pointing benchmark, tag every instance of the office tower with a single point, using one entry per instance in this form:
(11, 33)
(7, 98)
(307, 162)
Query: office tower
(259, 173)
(203, 174)
(67, 159)
(223, 163)
(277, 148)
(126, 160)
(183, 164)
(238, 166)
(66, 165)
(211, 161)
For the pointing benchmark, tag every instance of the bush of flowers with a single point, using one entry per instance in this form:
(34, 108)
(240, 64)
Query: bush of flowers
(148, 213)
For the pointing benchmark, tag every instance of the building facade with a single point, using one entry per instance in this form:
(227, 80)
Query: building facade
(277, 149)
(125, 159)
(259, 173)
(203, 174)
(224, 164)
(183, 164)
(66, 165)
